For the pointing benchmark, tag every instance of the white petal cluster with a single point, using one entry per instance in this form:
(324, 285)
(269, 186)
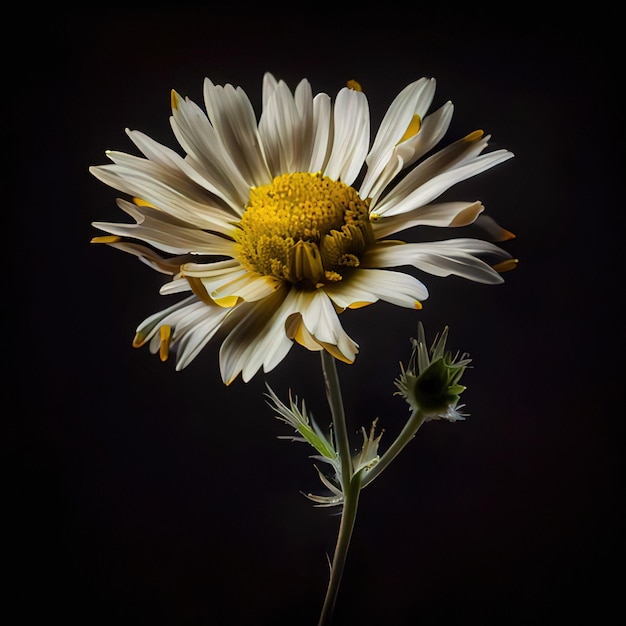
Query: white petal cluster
(186, 209)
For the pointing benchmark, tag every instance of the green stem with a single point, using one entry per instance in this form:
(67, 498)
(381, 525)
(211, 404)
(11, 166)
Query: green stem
(348, 517)
(408, 432)
(335, 401)
(351, 486)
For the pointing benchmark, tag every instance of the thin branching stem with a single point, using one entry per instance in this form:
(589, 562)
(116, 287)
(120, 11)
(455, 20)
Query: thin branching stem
(335, 401)
(408, 432)
(351, 486)
(348, 517)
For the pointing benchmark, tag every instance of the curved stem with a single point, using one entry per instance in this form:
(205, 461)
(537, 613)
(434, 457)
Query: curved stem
(408, 432)
(348, 517)
(335, 401)
(350, 486)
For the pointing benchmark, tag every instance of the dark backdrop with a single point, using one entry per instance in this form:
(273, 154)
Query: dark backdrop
(138, 495)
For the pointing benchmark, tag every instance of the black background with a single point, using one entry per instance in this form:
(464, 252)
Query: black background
(139, 495)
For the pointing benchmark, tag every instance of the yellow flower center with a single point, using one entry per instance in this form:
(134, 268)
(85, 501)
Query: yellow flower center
(304, 228)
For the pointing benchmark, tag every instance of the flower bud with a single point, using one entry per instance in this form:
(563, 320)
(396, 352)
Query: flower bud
(430, 383)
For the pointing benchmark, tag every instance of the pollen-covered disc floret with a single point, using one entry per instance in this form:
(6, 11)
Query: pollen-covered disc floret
(304, 228)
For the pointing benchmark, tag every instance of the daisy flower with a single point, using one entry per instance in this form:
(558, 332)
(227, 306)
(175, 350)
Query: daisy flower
(271, 228)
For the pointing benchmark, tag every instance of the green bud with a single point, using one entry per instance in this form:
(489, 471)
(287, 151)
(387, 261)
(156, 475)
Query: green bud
(434, 390)
(431, 381)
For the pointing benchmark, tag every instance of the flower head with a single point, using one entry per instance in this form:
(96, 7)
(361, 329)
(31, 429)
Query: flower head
(271, 229)
(430, 382)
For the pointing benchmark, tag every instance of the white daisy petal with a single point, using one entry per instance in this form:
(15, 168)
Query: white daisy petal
(269, 86)
(369, 285)
(276, 130)
(244, 285)
(256, 336)
(146, 255)
(432, 130)
(233, 118)
(206, 153)
(321, 134)
(320, 320)
(273, 349)
(178, 284)
(185, 317)
(441, 258)
(398, 117)
(352, 294)
(193, 332)
(351, 136)
(320, 317)
(150, 326)
(393, 127)
(449, 158)
(167, 233)
(443, 214)
(216, 180)
(303, 98)
(228, 281)
(165, 190)
(275, 343)
(395, 203)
